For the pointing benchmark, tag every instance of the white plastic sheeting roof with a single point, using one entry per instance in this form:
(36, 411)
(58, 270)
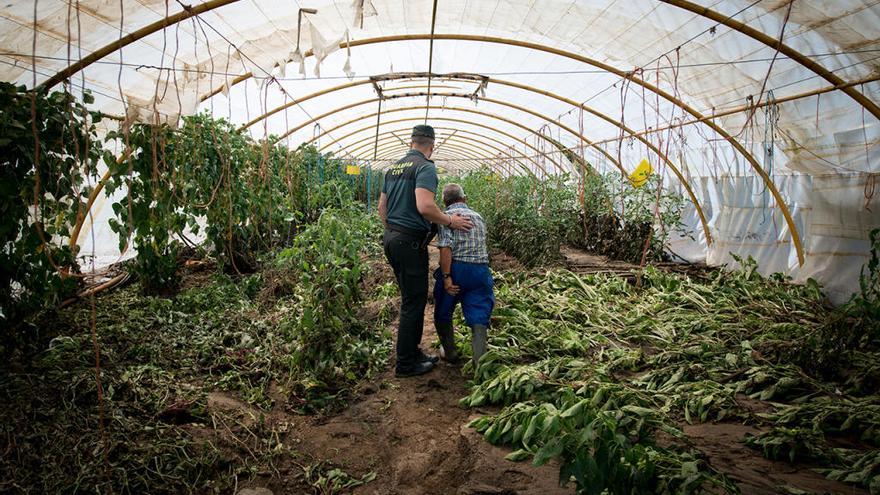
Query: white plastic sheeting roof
(820, 151)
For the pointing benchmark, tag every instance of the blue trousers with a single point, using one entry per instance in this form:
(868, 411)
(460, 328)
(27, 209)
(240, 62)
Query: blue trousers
(475, 294)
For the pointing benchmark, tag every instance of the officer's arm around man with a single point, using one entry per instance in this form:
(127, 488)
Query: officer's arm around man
(407, 209)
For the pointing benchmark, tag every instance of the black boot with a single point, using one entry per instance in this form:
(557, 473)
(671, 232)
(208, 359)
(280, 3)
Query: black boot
(447, 339)
(479, 337)
(415, 369)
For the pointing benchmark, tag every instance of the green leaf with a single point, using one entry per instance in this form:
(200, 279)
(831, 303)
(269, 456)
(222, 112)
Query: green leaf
(548, 451)
(640, 411)
(518, 455)
(575, 409)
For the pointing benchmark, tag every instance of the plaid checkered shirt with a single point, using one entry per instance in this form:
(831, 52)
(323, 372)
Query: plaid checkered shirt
(470, 246)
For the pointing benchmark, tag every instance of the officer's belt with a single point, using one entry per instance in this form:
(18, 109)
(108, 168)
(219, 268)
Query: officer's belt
(423, 237)
(417, 235)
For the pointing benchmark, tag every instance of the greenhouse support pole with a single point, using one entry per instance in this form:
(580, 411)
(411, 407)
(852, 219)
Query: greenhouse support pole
(369, 189)
(430, 61)
(378, 122)
(74, 236)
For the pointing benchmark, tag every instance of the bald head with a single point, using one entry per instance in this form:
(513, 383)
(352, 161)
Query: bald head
(453, 193)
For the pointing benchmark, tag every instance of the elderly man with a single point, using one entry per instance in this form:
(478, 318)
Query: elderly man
(464, 277)
(407, 209)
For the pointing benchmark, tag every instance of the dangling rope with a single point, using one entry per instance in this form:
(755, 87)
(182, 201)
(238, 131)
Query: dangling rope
(624, 92)
(771, 120)
(583, 173)
(871, 181)
(77, 154)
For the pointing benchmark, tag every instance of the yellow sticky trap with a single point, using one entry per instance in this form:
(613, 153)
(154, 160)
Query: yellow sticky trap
(640, 175)
(352, 170)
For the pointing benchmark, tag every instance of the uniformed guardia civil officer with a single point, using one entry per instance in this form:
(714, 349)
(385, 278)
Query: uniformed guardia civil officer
(407, 209)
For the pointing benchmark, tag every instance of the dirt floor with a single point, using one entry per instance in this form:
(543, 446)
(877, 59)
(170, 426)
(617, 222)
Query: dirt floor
(722, 445)
(410, 432)
(413, 435)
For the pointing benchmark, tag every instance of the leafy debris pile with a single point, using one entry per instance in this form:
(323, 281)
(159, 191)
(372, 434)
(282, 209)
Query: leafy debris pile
(603, 374)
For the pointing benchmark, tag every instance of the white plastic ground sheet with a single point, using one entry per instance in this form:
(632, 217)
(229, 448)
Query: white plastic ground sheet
(531, 73)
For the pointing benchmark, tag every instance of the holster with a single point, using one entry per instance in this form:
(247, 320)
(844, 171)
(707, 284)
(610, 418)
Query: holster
(429, 236)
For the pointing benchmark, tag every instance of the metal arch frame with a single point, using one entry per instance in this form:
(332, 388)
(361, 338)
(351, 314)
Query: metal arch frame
(559, 124)
(463, 155)
(458, 156)
(786, 213)
(784, 49)
(525, 87)
(682, 180)
(474, 136)
(469, 136)
(325, 91)
(532, 89)
(460, 121)
(457, 159)
(389, 145)
(435, 107)
(474, 154)
(189, 11)
(165, 22)
(451, 77)
(361, 145)
(386, 143)
(485, 138)
(481, 138)
(800, 58)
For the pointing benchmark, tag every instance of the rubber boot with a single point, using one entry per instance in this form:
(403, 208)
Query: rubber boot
(478, 342)
(447, 340)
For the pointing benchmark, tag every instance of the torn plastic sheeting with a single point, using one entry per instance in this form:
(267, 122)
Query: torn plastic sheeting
(362, 9)
(321, 48)
(347, 67)
(166, 109)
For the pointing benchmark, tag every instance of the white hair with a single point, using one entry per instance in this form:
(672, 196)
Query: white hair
(452, 193)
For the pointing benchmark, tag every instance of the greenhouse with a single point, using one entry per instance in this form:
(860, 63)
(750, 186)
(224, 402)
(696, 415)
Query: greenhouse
(418, 247)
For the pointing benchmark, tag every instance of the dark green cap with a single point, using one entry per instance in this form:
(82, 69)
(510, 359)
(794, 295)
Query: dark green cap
(423, 131)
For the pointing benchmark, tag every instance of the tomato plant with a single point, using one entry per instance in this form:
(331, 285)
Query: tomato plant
(247, 197)
(530, 218)
(48, 150)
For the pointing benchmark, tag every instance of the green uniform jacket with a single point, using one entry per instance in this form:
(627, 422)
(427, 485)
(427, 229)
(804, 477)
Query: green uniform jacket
(401, 180)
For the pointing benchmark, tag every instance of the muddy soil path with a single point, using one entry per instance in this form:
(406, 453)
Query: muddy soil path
(413, 435)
